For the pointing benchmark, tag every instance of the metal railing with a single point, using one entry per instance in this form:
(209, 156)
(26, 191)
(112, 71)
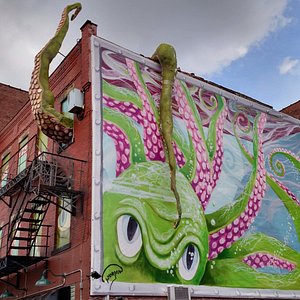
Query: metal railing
(15, 169)
(56, 173)
(31, 184)
(39, 245)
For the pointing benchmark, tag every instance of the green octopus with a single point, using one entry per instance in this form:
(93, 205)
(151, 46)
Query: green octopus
(139, 228)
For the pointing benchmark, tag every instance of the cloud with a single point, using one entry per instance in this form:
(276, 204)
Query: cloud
(230, 36)
(289, 66)
(208, 35)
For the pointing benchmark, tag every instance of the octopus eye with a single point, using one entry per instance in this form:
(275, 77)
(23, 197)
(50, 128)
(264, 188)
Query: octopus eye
(129, 235)
(189, 262)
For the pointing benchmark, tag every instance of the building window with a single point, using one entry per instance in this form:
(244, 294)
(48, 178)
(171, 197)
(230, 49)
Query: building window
(16, 242)
(65, 111)
(1, 234)
(63, 223)
(62, 293)
(23, 147)
(42, 142)
(5, 169)
(36, 249)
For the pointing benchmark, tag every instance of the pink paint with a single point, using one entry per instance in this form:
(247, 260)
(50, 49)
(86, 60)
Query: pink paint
(149, 123)
(260, 260)
(237, 228)
(121, 144)
(207, 174)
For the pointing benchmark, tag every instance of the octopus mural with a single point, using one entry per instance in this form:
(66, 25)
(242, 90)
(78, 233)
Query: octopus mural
(194, 185)
(218, 241)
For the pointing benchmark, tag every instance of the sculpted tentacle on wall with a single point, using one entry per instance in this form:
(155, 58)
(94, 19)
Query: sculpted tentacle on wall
(52, 123)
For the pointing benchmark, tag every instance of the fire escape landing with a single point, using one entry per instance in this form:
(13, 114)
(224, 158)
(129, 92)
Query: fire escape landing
(45, 179)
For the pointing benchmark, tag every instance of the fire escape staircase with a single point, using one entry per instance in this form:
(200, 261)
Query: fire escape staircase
(25, 237)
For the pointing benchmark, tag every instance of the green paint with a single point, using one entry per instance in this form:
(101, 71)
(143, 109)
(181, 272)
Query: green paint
(121, 94)
(228, 213)
(139, 211)
(239, 274)
(54, 124)
(166, 56)
(137, 153)
(47, 55)
(140, 192)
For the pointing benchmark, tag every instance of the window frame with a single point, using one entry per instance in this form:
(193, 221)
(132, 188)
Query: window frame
(5, 171)
(23, 154)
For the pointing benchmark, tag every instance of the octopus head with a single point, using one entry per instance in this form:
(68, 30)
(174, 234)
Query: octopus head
(139, 213)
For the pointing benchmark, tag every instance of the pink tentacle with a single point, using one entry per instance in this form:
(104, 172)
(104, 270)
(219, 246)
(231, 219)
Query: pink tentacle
(260, 260)
(127, 108)
(180, 159)
(201, 182)
(226, 236)
(218, 157)
(152, 140)
(286, 151)
(284, 188)
(277, 166)
(122, 146)
(239, 120)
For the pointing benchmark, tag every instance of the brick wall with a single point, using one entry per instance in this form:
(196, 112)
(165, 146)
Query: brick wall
(74, 71)
(11, 101)
(293, 110)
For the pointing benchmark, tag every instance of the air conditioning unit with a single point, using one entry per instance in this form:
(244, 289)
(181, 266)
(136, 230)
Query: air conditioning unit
(75, 101)
(178, 293)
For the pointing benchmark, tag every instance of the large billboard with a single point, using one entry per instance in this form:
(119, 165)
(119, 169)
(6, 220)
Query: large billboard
(238, 177)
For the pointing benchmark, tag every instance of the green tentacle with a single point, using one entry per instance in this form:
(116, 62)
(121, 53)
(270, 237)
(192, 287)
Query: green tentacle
(238, 273)
(47, 55)
(137, 153)
(189, 168)
(212, 129)
(230, 212)
(149, 96)
(292, 206)
(121, 94)
(194, 111)
(166, 56)
(289, 203)
(125, 95)
(241, 146)
(55, 125)
(292, 158)
(210, 140)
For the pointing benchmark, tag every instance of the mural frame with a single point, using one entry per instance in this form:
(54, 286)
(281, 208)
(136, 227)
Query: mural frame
(140, 289)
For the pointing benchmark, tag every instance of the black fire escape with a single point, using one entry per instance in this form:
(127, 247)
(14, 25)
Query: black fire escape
(28, 191)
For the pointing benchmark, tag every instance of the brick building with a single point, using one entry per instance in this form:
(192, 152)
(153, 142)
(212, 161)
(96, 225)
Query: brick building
(50, 214)
(26, 254)
(12, 100)
(293, 110)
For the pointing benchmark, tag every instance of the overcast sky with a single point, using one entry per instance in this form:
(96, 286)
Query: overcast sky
(251, 46)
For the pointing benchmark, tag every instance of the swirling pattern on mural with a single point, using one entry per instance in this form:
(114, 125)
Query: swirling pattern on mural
(219, 247)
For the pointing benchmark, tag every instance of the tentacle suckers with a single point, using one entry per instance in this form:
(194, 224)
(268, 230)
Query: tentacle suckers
(52, 123)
